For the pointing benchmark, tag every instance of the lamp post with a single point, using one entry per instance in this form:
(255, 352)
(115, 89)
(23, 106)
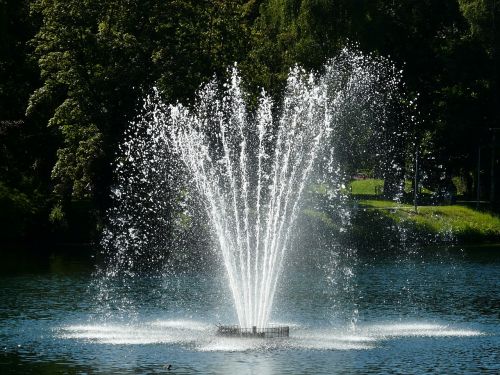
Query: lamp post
(478, 179)
(415, 183)
(492, 170)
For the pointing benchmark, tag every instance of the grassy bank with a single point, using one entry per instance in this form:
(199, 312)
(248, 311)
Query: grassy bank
(378, 222)
(375, 187)
(464, 223)
(368, 186)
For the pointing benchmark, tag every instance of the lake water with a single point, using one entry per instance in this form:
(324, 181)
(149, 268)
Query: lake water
(436, 311)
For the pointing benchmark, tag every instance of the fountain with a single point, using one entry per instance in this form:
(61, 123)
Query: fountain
(210, 203)
(250, 170)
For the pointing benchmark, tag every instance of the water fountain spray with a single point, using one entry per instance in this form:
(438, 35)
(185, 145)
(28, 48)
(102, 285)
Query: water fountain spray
(251, 169)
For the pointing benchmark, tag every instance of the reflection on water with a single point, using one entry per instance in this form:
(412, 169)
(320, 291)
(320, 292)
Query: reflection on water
(434, 313)
(202, 336)
(66, 261)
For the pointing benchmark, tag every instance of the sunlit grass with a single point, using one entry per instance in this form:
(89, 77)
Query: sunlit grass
(458, 220)
(369, 186)
(375, 186)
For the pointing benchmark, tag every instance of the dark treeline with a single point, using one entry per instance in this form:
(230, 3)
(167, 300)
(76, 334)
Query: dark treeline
(73, 73)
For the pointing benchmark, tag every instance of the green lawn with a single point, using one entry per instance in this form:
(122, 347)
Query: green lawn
(369, 186)
(463, 222)
(375, 186)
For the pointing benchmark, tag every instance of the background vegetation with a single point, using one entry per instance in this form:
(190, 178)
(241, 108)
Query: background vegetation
(73, 73)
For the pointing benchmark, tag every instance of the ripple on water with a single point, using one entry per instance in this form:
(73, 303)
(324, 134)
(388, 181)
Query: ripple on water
(201, 336)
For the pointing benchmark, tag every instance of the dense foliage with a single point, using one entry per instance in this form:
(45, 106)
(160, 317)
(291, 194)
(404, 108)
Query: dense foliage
(72, 75)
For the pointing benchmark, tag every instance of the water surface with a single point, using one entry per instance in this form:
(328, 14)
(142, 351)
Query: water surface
(425, 313)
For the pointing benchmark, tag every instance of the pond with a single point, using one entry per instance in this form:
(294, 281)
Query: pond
(437, 310)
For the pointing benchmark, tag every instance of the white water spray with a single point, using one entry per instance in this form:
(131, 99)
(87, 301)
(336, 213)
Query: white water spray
(252, 169)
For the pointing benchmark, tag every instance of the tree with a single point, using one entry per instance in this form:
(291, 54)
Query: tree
(26, 147)
(294, 32)
(98, 59)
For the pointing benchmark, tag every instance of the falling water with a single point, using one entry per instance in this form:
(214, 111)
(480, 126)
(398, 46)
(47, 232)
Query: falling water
(252, 177)
(251, 168)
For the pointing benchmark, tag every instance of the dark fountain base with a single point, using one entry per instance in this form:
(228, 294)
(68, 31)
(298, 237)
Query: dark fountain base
(268, 332)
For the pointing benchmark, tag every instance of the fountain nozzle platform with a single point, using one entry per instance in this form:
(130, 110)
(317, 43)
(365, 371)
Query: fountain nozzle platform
(268, 332)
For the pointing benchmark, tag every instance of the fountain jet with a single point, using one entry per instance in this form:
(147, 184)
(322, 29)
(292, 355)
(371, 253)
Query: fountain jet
(252, 169)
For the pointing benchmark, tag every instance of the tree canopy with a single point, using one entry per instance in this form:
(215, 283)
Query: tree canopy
(73, 74)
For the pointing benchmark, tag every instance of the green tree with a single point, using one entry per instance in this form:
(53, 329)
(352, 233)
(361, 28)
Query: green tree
(26, 147)
(94, 63)
(289, 32)
(98, 59)
(443, 67)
